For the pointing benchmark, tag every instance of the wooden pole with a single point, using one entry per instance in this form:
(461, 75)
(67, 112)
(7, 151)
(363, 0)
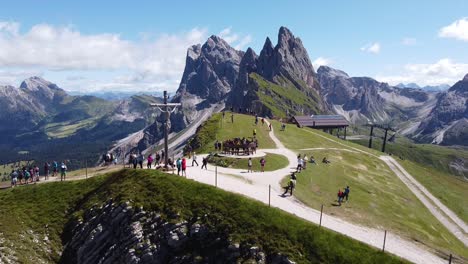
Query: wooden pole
(269, 195)
(345, 133)
(385, 238)
(370, 136)
(166, 166)
(450, 259)
(321, 211)
(384, 141)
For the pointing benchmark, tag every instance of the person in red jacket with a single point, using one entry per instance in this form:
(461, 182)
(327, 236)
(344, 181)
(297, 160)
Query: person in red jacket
(184, 167)
(340, 196)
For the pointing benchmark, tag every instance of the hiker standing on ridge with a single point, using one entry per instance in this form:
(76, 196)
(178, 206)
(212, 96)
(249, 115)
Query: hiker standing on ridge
(140, 160)
(158, 158)
(346, 193)
(204, 163)
(150, 161)
(184, 167)
(340, 196)
(14, 178)
(55, 165)
(63, 171)
(291, 185)
(194, 159)
(46, 170)
(232, 118)
(179, 166)
(262, 164)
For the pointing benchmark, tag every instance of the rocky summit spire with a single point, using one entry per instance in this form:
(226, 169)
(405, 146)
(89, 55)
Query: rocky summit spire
(466, 78)
(284, 36)
(288, 58)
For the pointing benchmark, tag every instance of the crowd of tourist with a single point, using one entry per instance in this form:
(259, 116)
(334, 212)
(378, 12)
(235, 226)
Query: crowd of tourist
(31, 174)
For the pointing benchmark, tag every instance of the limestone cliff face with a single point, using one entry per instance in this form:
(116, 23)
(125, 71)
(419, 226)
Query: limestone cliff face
(211, 71)
(447, 123)
(119, 233)
(281, 80)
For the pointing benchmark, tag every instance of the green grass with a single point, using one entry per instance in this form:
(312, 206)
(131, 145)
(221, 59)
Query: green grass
(273, 162)
(429, 165)
(246, 221)
(285, 97)
(378, 197)
(217, 128)
(66, 129)
(435, 156)
(450, 190)
(35, 211)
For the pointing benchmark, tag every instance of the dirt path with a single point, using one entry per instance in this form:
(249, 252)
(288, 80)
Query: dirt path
(256, 185)
(448, 218)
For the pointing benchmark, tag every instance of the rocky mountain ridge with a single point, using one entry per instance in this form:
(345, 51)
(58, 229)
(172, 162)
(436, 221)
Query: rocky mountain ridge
(363, 99)
(447, 123)
(427, 117)
(279, 81)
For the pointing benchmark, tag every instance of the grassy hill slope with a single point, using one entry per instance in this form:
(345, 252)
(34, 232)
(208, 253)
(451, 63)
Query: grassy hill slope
(379, 198)
(36, 231)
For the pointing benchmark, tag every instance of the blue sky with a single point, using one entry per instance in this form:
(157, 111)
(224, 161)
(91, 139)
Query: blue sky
(140, 45)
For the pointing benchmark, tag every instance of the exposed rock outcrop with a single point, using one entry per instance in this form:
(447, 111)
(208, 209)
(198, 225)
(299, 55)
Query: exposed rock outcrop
(363, 99)
(119, 233)
(447, 121)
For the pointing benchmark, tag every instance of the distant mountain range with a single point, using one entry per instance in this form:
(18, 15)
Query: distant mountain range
(44, 120)
(429, 88)
(279, 82)
(115, 95)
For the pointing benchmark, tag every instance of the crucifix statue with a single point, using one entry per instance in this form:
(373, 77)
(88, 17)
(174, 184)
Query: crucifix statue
(166, 108)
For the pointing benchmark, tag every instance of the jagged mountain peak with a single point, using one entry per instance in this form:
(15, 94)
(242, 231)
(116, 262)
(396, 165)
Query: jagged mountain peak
(36, 83)
(331, 72)
(284, 35)
(268, 46)
(194, 52)
(214, 42)
(465, 78)
(250, 54)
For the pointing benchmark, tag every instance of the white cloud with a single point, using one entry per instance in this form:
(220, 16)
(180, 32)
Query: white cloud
(321, 61)
(444, 71)
(12, 77)
(50, 48)
(458, 30)
(371, 48)
(234, 39)
(409, 41)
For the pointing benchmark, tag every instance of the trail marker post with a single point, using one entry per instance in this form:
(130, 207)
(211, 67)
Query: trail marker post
(269, 195)
(385, 238)
(450, 259)
(321, 211)
(167, 109)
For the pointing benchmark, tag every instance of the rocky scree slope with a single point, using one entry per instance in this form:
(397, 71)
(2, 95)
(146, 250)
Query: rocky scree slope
(363, 99)
(447, 123)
